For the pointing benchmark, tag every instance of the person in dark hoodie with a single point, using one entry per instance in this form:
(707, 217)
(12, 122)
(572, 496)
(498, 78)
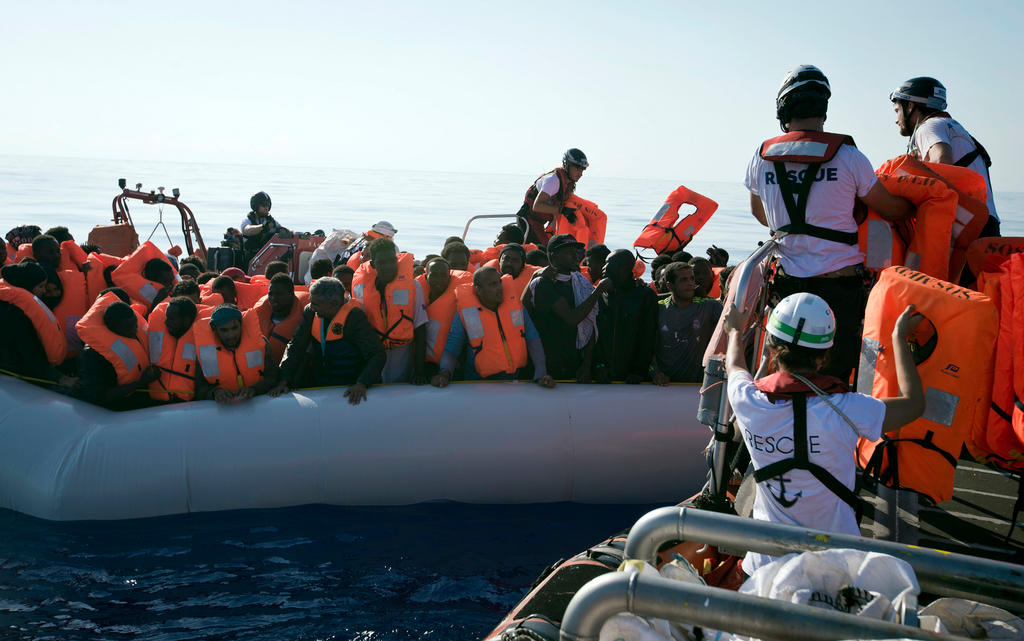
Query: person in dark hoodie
(627, 324)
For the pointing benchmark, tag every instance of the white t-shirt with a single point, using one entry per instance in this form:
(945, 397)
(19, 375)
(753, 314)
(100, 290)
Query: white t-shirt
(949, 131)
(767, 429)
(548, 183)
(837, 184)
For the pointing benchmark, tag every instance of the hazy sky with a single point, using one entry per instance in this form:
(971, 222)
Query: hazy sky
(675, 90)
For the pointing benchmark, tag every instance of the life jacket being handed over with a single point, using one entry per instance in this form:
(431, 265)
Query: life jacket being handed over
(129, 356)
(231, 370)
(971, 210)
(494, 253)
(813, 148)
(921, 242)
(95, 282)
(785, 386)
(988, 254)
(50, 332)
(955, 365)
(589, 225)
(536, 221)
(665, 232)
(498, 338)
(128, 274)
(176, 358)
(440, 313)
(394, 321)
(72, 306)
(278, 334)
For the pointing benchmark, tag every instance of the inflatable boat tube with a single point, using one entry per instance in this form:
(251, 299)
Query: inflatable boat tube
(498, 443)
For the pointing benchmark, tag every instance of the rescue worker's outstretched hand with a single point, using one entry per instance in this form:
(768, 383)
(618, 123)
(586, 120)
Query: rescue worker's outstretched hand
(906, 324)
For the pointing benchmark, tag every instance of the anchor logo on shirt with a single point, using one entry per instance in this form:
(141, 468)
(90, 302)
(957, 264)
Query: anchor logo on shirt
(781, 496)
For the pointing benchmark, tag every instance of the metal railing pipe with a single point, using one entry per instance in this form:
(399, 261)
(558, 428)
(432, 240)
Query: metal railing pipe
(719, 609)
(938, 572)
(481, 216)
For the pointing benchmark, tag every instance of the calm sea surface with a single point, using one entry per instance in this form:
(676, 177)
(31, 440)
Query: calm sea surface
(435, 571)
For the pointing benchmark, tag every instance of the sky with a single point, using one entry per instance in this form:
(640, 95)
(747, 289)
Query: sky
(670, 90)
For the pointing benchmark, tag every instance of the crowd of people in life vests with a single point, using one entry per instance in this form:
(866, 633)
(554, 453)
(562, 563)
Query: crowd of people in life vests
(147, 328)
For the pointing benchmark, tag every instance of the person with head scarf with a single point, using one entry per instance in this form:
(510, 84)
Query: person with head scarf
(32, 343)
(235, 361)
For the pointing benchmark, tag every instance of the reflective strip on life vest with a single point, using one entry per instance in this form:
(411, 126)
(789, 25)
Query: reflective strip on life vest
(471, 320)
(208, 359)
(121, 349)
(254, 358)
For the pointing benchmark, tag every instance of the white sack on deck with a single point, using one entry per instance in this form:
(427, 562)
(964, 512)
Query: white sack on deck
(971, 619)
(336, 242)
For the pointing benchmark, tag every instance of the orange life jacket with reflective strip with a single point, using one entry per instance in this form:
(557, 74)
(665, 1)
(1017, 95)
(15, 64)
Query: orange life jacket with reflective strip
(394, 322)
(440, 313)
(665, 232)
(971, 210)
(336, 330)
(47, 327)
(94, 279)
(231, 369)
(498, 338)
(128, 274)
(955, 365)
(176, 358)
(278, 334)
(72, 307)
(922, 242)
(129, 356)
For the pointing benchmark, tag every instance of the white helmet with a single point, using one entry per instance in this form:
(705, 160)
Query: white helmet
(803, 319)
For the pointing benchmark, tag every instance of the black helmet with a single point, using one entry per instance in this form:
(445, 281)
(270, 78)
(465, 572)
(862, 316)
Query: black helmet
(262, 198)
(575, 158)
(922, 90)
(801, 81)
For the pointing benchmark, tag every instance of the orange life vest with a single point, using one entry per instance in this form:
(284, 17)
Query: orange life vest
(587, 213)
(498, 338)
(94, 279)
(956, 373)
(24, 251)
(336, 330)
(231, 369)
(71, 255)
(716, 285)
(988, 254)
(72, 307)
(665, 233)
(278, 334)
(394, 321)
(518, 284)
(971, 210)
(129, 356)
(922, 242)
(248, 294)
(128, 274)
(1000, 439)
(50, 332)
(440, 313)
(176, 358)
(494, 253)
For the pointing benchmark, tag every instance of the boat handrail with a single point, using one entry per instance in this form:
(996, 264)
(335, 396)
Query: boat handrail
(938, 572)
(719, 609)
(742, 280)
(465, 232)
(189, 226)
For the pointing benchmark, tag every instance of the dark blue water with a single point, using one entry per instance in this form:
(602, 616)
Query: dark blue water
(433, 571)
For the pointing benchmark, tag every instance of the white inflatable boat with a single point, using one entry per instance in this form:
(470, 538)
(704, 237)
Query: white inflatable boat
(64, 459)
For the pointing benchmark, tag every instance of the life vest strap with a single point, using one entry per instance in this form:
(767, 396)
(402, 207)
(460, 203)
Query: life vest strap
(795, 198)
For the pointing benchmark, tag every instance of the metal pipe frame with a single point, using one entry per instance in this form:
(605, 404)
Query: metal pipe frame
(482, 216)
(719, 609)
(938, 572)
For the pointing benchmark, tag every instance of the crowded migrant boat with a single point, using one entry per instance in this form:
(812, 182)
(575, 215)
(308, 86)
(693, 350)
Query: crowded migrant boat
(892, 282)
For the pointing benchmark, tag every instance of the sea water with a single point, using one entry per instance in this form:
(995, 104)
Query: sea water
(433, 571)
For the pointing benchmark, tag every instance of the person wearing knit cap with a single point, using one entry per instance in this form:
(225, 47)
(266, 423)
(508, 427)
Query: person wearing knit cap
(21, 349)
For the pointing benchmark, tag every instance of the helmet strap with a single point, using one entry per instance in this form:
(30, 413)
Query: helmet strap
(798, 331)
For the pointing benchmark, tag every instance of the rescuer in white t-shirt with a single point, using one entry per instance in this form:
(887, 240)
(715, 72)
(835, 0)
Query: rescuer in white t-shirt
(920, 105)
(806, 183)
(801, 426)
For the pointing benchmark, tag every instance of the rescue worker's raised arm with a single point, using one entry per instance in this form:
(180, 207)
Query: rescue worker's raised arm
(909, 405)
(544, 207)
(735, 360)
(886, 205)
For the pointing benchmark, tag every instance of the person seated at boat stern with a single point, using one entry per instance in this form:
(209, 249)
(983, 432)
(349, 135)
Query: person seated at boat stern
(234, 361)
(258, 226)
(333, 345)
(920, 105)
(547, 196)
(393, 302)
(627, 327)
(32, 342)
(564, 309)
(494, 331)
(685, 326)
(807, 183)
(801, 426)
